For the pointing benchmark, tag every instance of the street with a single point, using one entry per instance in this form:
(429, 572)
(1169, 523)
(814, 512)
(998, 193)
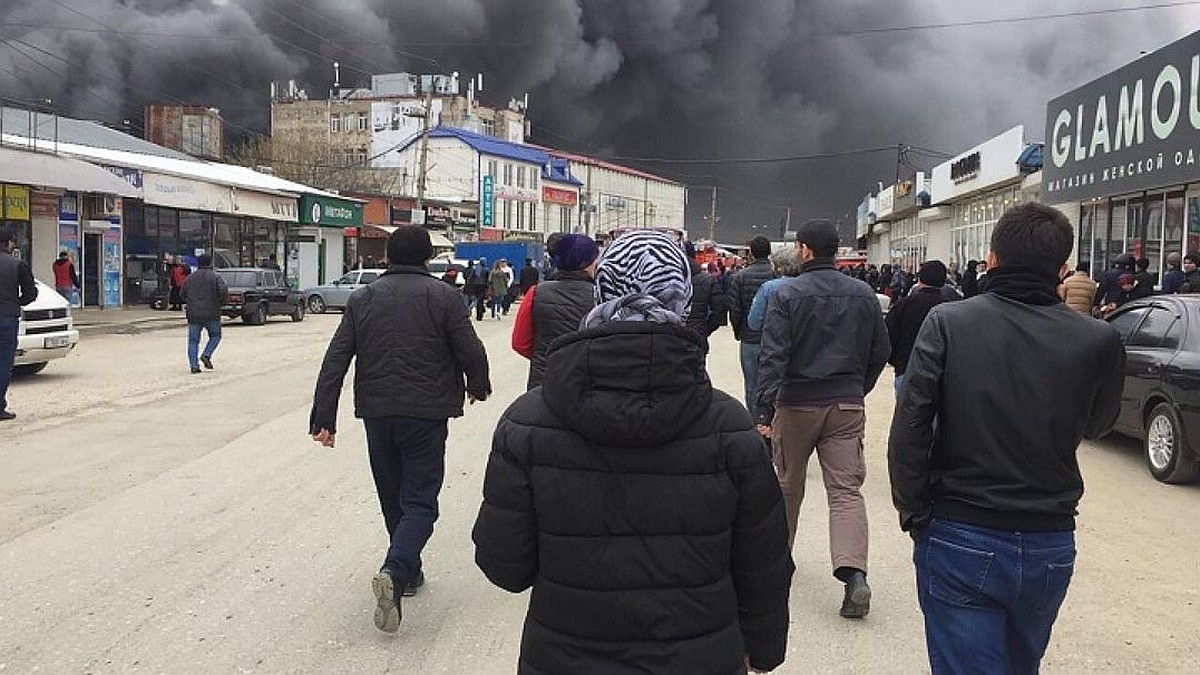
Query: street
(157, 521)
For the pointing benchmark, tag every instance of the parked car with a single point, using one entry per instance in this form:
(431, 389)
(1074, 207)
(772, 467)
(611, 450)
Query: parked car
(334, 295)
(256, 293)
(45, 332)
(438, 267)
(1160, 404)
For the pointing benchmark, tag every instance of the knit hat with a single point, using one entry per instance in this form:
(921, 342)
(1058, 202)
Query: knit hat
(642, 276)
(409, 245)
(932, 273)
(574, 252)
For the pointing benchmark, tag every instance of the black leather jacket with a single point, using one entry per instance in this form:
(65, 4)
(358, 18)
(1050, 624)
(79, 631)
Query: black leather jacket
(823, 339)
(1008, 419)
(17, 287)
(413, 343)
(742, 288)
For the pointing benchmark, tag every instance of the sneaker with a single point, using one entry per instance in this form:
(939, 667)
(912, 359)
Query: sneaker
(387, 602)
(857, 602)
(195, 369)
(206, 361)
(410, 589)
(6, 415)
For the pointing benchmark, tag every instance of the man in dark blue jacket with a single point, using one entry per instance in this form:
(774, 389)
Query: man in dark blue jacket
(742, 288)
(823, 347)
(17, 289)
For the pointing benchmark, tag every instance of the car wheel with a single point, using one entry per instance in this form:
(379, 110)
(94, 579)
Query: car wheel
(1166, 447)
(298, 312)
(316, 304)
(256, 316)
(30, 368)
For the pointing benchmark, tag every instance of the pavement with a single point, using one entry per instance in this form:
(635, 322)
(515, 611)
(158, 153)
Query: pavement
(97, 321)
(152, 520)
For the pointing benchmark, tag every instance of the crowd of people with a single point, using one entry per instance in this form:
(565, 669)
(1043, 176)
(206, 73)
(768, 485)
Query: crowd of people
(654, 516)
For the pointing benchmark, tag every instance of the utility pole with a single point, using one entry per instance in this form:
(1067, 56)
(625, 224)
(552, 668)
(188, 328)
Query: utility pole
(787, 227)
(712, 216)
(424, 150)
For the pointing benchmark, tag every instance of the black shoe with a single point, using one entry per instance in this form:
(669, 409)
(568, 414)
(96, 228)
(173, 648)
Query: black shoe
(387, 602)
(857, 602)
(206, 361)
(6, 416)
(410, 589)
(195, 370)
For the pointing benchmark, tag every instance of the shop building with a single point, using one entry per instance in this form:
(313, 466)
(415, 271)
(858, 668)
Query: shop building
(1123, 159)
(618, 197)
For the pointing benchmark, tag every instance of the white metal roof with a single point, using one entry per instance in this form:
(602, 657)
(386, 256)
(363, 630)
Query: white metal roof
(45, 170)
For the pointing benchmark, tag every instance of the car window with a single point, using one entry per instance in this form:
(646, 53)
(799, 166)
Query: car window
(1152, 330)
(350, 278)
(1126, 321)
(438, 266)
(368, 277)
(1174, 336)
(242, 279)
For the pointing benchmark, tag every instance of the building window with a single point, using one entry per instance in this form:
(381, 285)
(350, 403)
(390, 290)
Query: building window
(508, 214)
(520, 213)
(520, 176)
(492, 168)
(508, 171)
(335, 123)
(348, 122)
(362, 121)
(362, 156)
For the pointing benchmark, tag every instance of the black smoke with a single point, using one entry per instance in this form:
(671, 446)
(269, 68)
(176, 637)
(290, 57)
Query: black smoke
(618, 78)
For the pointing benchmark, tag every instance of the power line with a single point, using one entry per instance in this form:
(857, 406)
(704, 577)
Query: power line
(757, 160)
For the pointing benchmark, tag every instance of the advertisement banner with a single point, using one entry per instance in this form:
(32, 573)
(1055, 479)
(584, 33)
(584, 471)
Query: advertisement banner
(551, 195)
(68, 240)
(1137, 128)
(487, 201)
(16, 202)
(112, 267)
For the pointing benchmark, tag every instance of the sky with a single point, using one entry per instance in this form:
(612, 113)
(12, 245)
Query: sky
(637, 80)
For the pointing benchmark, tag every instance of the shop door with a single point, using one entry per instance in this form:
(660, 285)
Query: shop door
(93, 249)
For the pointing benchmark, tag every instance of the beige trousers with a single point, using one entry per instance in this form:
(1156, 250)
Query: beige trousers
(836, 433)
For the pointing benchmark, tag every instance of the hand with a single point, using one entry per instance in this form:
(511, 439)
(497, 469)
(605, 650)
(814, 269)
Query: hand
(325, 437)
(764, 429)
(750, 668)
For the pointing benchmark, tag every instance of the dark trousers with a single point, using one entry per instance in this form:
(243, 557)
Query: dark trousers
(990, 597)
(480, 304)
(408, 462)
(8, 354)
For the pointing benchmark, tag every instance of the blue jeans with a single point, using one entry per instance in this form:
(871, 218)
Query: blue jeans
(749, 354)
(8, 354)
(990, 597)
(408, 461)
(898, 383)
(213, 328)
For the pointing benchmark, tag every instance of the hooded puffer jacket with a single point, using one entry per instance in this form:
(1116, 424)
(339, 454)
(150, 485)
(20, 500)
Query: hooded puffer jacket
(557, 310)
(638, 503)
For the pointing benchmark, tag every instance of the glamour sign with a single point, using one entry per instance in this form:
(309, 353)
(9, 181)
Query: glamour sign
(1134, 129)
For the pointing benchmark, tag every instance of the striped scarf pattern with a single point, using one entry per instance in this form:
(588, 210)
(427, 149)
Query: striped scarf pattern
(642, 276)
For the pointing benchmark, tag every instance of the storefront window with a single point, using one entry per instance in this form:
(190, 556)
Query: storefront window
(195, 235)
(1173, 226)
(227, 232)
(1193, 227)
(1117, 231)
(1153, 250)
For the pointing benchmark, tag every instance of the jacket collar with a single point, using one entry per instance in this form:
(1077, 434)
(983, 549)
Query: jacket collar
(817, 264)
(574, 275)
(407, 269)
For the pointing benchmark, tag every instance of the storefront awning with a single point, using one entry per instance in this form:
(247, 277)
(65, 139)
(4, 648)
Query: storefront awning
(438, 239)
(42, 169)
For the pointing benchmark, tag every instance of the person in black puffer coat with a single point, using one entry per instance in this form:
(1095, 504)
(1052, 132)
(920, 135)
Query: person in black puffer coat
(552, 309)
(634, 498)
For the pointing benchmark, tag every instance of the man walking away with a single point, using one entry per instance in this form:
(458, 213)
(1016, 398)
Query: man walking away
(1079, 291)
(905, 318)
(477, 287)
(1174, 276)
(742, 289)
(529, 276)
(204, 292)
(66, 279)
(17, 289)
(823, 347)
(413, 344)
(986, 478)
(707, 311)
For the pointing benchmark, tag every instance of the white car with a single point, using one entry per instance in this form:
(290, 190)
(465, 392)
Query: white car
(46, 331)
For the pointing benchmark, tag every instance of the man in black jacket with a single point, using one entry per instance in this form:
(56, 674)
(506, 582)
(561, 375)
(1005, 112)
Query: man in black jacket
(982, 449)
(742, 288)
(707, 312)
(823, 347)
(204, 292)
(905, 317)
(17, 289)
(413, 344)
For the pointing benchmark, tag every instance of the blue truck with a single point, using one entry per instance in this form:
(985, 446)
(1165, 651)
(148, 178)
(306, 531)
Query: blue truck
(515, 252)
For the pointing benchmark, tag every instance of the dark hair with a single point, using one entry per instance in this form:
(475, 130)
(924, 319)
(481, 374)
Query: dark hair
(552, 242)
(1034, 236)
(1086, 268)
(1143, 264)
(760, 248)
(1193, 257)
(204, 260)
(409, 245)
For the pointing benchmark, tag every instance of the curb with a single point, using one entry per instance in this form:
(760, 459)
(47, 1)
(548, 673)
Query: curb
(131, 327)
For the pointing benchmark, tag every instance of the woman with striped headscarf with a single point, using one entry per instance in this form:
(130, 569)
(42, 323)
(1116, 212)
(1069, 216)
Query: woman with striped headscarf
(634, 497)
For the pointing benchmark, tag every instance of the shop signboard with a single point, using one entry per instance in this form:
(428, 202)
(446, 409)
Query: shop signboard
(886, 201)
(16, 202)
(188, 194)
(438, 215)
(517, 194)
(270, 207)
(330, 212)
(553, 195)
(1137, 128)
(487, 201)
(112, 267)
(44, 204)
(983, 167)
(491, 234)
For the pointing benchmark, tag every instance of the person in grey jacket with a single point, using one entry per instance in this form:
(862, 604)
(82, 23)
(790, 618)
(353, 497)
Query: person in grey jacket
(17, 289)
(412, 342)
(823, 347)
(204, 292)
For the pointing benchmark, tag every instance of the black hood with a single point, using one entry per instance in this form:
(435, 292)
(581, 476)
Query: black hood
(628, 383)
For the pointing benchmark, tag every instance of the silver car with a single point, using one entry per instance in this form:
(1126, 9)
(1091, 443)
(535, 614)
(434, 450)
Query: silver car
(334, 295)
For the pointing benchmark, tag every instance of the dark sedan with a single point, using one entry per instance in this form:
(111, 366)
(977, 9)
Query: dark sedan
(1161, 400)
(256, 293)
